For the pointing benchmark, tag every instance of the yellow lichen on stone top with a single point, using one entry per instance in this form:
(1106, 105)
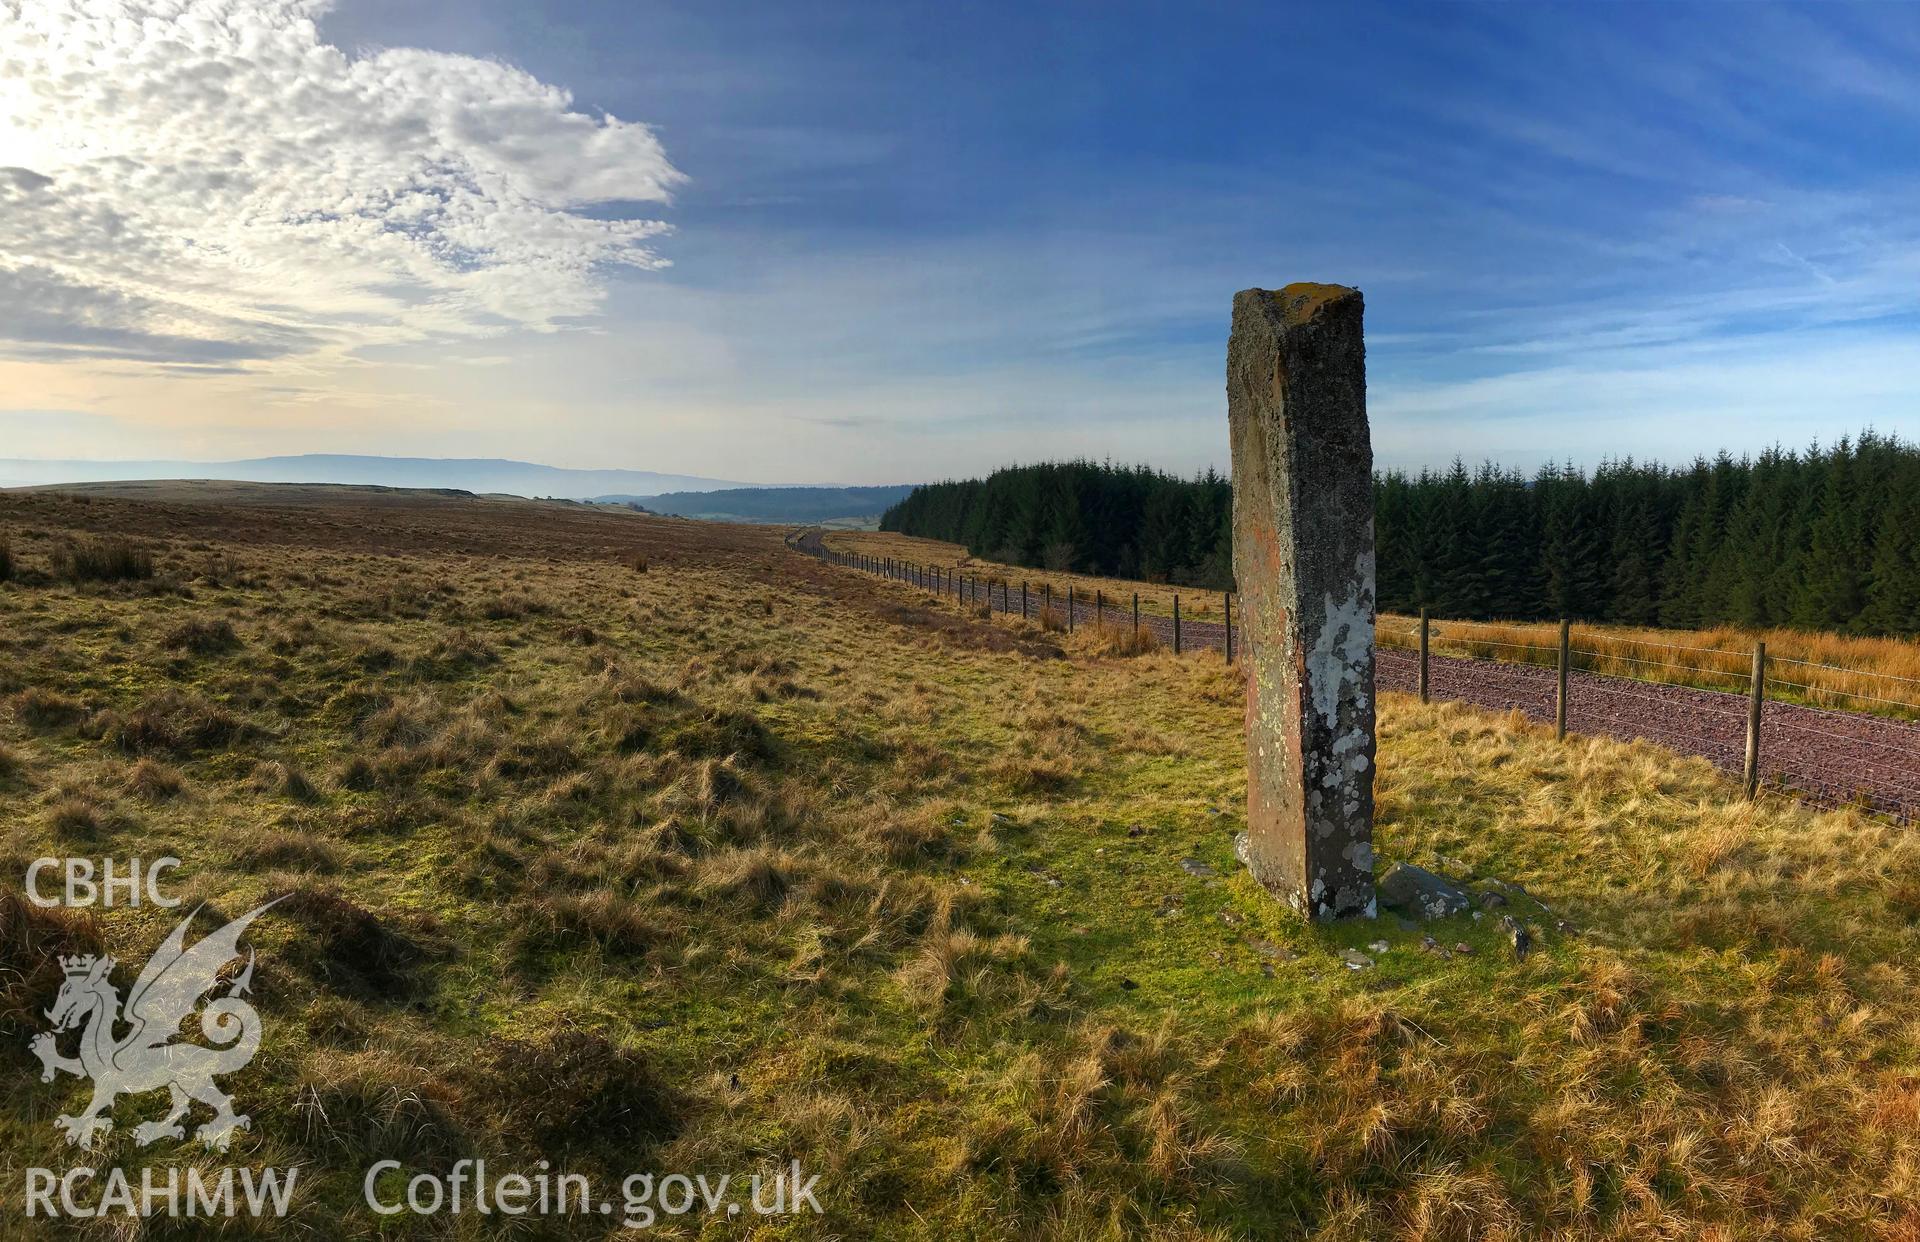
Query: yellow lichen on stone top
(1302, 300)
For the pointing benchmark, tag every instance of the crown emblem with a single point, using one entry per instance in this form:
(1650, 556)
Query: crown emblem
(79, 964)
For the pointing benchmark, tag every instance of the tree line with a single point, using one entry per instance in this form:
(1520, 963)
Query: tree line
(1823, 538)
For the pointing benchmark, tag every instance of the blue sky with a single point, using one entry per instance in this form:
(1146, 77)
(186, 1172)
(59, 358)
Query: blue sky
(907, 241)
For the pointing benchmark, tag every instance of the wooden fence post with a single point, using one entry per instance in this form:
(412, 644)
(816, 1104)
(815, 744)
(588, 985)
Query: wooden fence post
(1226, 604)
(1176, 625)
(1755, 707)
(1560, 699)
(1099, 609)
(1070, 593)
(1023, 599)
(1047, 589)
(1424, 683)
(1136, 614)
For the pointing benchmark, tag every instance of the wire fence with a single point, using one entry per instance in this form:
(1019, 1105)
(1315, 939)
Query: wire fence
(1839, 742)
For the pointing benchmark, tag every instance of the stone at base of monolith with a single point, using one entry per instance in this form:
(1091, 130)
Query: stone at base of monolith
(1421, 893)
(1303, 559)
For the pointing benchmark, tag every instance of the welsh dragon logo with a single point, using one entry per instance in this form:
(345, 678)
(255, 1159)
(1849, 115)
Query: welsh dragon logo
(146, 1057)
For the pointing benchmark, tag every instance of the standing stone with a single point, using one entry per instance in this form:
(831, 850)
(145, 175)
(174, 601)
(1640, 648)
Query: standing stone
(1303, 558)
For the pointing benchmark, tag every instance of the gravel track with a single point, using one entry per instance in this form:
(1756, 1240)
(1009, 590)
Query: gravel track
(1827, 757)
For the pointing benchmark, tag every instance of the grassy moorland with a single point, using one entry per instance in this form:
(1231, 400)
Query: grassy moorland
(1844, 672)
(633, 844)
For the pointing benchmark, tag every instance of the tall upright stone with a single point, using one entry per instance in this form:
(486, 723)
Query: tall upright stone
(1303, 557)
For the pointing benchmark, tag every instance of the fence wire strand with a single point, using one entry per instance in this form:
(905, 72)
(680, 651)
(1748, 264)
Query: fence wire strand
(1883, 785)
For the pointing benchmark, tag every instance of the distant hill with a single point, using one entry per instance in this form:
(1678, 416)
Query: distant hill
(481, 474)
(774, 504)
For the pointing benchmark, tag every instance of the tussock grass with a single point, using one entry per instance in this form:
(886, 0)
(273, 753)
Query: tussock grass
(39, 707)
(353, 949)
(1124, 640)
(575, 1087)
(33, 939)
(284, 850)
(203, 636)
(75, 818)
(901, 893)
(172, 722)
(101, 560)
(152, 781)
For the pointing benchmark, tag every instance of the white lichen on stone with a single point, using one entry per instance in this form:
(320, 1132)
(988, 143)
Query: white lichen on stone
(1340, 655)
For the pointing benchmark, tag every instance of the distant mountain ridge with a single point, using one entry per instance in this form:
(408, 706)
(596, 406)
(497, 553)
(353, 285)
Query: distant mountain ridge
(477, 474)
(773, 504)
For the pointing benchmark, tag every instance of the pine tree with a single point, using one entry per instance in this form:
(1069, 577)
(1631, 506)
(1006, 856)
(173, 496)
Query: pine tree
(1893, 593)
(1823, 538)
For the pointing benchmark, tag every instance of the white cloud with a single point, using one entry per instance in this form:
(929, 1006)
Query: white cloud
(207, 182)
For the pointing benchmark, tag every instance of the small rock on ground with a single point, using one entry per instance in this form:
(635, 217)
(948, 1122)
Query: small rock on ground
(1421, 893)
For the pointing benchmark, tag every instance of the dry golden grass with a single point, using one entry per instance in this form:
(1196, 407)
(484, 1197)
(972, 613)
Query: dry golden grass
(1826, 670)
(899, 892)
(1859, 674)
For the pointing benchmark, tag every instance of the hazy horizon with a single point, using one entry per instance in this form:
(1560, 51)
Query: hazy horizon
(407, 471)
(842, 246)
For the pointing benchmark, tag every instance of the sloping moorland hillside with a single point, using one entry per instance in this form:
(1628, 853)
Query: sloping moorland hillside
(640, 845)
